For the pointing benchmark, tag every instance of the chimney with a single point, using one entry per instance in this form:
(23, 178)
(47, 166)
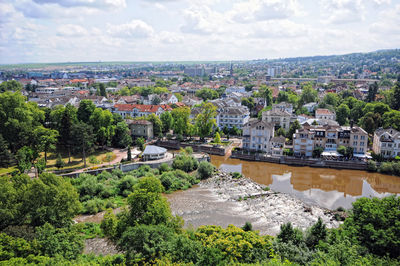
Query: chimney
(351, 123)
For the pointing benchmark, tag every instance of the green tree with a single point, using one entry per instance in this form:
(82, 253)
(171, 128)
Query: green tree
(5, 154)
(65, 127)
(217, 138)
(283, 96)
(102, 123)
(102, 90)
(167, 121)
(45, 140)
(26, 158)
(375, 224)
(308, 95)
(371, 121)
(207, 94)
(205, 120)
(266, 93)
(391, 119)
(396, 96)
(9, 202)
(342, 114)
(11, 85)
(280, 132)
(59, 162)
(205, 170)
(372, 91)
(121, 137)
(248, 102)
(85, 110)
(140, 143)
(290, 234)
(50, 199)
(316, 233)
(317, 152)
(292, 129)
(181, 117)
(129, 153)
(83, 138)
(331, 99)
(157, 124)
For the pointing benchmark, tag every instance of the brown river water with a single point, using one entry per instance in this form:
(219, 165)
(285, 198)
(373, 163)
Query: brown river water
(328, 188)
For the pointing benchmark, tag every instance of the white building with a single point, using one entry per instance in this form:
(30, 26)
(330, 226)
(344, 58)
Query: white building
(278, 118)
(325, 114)
(232, 116)
(387, 142)
(257, 135)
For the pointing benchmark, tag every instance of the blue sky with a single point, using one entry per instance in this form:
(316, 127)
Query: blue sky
(164, 30)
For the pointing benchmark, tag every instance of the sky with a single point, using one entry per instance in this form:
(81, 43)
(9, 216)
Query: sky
(182, 30)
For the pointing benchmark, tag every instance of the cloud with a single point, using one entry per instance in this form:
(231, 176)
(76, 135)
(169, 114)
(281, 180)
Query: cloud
(343, 11)
(170, 37)
(202, 20)
(71, 30)
(388, 22)
(107, 4)
(133, 29)
(263, 10)
(278, 29)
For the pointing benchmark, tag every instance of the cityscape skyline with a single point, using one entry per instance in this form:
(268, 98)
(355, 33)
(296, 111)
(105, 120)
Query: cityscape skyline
(48, 31)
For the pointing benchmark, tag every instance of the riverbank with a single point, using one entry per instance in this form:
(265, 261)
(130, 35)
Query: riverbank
(223, 200)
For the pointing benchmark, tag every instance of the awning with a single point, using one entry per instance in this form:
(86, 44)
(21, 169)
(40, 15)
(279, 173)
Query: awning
(331, 153)
(362, 155)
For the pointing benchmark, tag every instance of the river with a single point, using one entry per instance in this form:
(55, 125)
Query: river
(329, 188)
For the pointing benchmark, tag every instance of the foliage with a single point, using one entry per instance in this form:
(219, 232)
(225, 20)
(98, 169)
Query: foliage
(205, 170)
(185, 162)
(175, 180)
(11, 85)
(167, 121)
(205, 120)
(317, 152)
(140, 143)
(290, 234)
(207, 94)
(342, 114)
(181, 120)
(308, 95)
(109, 223)
(217, 138)
(292, 129)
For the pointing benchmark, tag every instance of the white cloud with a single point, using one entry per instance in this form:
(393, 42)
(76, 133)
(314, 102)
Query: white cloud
(71, 30)
(262, 10)
(278, 29)
(170, 37)
(86, 3)
(343, 11)
(202, 20)
(133, 29)
(388, 23)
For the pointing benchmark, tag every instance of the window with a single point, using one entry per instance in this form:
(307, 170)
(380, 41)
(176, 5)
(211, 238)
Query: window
(354, 143)
(361, 143)
(355, 136)
(362, 137)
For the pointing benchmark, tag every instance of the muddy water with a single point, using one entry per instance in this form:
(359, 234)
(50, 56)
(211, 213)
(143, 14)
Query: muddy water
(329, 188)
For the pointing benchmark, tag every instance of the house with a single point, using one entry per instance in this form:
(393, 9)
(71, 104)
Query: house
(277, 145)
(191, 101)
(257, 135)
(138, 110)
(283, 107)
(310, 106)
(232, 116)
(152, 152)
(329, 138)
(325, 114)
(140, 128)
(168, 98)
(386, 142)
(279, 118)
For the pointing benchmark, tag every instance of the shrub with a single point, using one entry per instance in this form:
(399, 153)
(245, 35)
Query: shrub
(236, 175)
(164, 167)
(371, 166)
(109, 223)
(93, 206)
(205, 170)
(93, 160)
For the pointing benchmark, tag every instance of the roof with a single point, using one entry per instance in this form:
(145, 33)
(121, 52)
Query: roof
(138, 122)
(321, 111)
(255, 122)
(146, 108)
(151, 149)
(278, 139)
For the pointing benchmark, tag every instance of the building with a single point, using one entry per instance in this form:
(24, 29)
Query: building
(168, 98)
(325, 114)
(257, 135)
(46, 90)
(283, 107)
(386, 142)
(310, 106)
(279, 118)
(232, 116)
(138, 110)
(141, 128)
(152, 152)
(199, 71)
(277, 145)
(329, 138)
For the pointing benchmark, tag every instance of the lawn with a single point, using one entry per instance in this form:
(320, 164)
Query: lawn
(76, 160)
(4, 171)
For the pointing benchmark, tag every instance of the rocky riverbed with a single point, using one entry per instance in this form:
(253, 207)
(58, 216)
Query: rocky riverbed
(224, 200)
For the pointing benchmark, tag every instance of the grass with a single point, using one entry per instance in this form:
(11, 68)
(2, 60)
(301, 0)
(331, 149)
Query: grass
(4, 171)
(76, 160)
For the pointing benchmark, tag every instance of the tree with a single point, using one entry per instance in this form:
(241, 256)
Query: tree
(11, 85)
(283, 96)
(207, 94)
(292, 129)
(317, 152)
(217, 138)
(205, 120)
(266, 93)
(308, 95)
(68, 119)
(181, 117)
(316, 233)
(83, 138)
(375, 224)
(391, 119)
(157, 124)
(140, 143)
(331, 99)
(342, 114)
(249, 87)
(248, 102)
(372, 91)
(280, 132)
(102, 123)
(122, 137)
(396, 96)
(45, 140)
(25, 158)
(102, 90)
(290, 234)
(59, 162)
(85, 110)
(167, 121)
(370, 122)
(205, 170)
(5, 155)
(156, 100)
(50, 199)
(129, 154)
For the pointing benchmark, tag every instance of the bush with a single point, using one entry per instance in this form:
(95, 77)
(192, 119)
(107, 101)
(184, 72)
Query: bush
(93, 160)
(236, 175)
(185, 162)
(93, 206)
(205, 170)
(371, 166)
(164, 167)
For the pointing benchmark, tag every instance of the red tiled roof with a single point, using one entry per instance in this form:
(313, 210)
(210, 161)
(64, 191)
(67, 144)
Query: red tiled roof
(323, 112)
(147, 108)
